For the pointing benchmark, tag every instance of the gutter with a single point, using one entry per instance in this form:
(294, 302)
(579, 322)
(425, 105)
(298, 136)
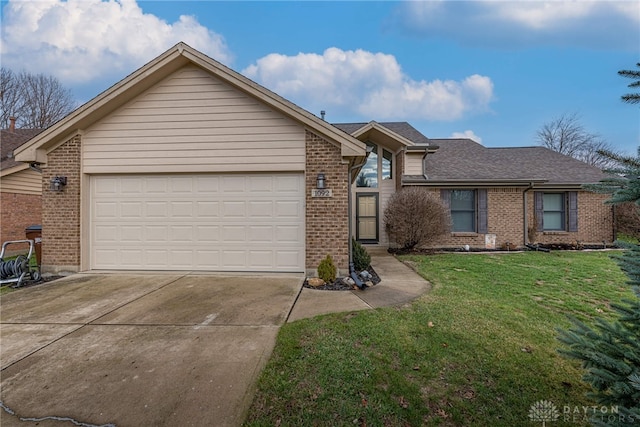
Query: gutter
(524, 214)
(352, 270)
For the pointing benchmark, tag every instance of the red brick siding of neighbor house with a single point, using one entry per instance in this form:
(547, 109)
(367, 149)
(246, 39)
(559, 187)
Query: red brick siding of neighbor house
(61, 210)
(19, 211)
(327, 226)
(505, 221)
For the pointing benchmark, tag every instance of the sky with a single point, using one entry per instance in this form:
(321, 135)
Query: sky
(493, 71)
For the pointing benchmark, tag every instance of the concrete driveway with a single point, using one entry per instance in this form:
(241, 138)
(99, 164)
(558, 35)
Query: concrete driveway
(138, 349)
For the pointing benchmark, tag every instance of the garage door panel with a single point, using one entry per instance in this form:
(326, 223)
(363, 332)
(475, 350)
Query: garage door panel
(156, 209)
(181, 210)
(131, 233)
(260, 234)
(233, 209)
(289, 258)
(288, 209)
(207, 209)
(208, 234)
(106, 210)
(198, 222)
(129, 258)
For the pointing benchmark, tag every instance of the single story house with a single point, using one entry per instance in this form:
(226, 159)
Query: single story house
(20, 187)
(188, 165)
(498, 197)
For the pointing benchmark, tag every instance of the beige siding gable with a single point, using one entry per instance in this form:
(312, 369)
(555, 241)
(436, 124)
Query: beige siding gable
(413, 164)
(193, 122)
(26, 181)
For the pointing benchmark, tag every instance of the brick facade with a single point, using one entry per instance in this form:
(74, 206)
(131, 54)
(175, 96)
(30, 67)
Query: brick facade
(327, 227)
(19, 211)
(61, 210)
(595, 221)
(506, 222)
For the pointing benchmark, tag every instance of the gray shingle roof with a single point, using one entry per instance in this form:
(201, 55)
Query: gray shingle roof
(9, 141)
(466, 160)
(401, 128)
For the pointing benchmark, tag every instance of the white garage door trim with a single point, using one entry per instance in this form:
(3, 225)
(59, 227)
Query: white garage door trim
(205, 222)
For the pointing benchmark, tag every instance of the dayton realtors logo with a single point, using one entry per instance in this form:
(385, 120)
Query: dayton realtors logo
(545, 411)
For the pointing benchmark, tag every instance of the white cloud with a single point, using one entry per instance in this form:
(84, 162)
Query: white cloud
(83, 40)
(467, 134)
(581, 23)
(369, 85)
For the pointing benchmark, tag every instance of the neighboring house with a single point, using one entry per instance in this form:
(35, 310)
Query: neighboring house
(188, 165)
(20, 187)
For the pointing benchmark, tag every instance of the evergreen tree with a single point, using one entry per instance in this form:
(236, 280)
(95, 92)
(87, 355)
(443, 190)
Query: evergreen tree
(632, 98)
(610, 351)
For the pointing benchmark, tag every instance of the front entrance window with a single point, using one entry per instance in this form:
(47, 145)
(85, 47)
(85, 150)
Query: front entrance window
(368, 176)
(387, 169)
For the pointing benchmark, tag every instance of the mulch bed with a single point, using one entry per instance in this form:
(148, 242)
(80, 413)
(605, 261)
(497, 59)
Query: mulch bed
(340, 285)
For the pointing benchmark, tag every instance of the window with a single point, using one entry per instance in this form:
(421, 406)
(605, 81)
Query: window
(556, 211)
(468, 210)
(368, 176)
(463, 210)
(553, 211)
(387, 168)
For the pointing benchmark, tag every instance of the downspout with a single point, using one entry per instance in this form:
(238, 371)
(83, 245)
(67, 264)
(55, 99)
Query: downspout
(524, 218)
(352, 270)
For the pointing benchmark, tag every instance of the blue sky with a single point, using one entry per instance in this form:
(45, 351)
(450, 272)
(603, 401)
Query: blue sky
(492, 70)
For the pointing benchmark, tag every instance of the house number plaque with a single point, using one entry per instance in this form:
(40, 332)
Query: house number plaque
(321, 192)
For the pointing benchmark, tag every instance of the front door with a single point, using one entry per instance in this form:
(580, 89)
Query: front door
(367, 217)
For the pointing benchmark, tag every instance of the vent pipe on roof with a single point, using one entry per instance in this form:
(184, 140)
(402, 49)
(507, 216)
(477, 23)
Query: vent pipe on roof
(12, 124)
(322, 113)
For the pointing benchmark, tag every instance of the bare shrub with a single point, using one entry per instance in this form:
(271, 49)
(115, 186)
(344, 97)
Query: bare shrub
(415, 217)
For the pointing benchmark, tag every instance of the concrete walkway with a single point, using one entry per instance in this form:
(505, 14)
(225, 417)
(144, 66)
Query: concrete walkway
(399, 285)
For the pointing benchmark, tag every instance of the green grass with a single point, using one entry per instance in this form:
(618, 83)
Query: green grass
(479, 349)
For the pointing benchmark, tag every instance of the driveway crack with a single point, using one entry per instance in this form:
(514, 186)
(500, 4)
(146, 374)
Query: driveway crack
(52, 418)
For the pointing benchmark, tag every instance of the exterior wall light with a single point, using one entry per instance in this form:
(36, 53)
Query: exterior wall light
(320, 181)
(57, 183)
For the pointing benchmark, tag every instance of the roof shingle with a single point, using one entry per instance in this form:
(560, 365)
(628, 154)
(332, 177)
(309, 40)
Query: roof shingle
(9, 141)
(466, 160)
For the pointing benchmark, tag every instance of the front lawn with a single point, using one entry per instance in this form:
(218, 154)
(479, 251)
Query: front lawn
(479, 349)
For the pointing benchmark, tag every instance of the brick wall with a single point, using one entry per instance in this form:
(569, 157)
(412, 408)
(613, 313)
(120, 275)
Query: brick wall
(327, 227)
(61, 210)
(505, 220)
(595, 221)
(18, 211)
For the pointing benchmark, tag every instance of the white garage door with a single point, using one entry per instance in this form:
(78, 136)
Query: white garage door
(207, 222)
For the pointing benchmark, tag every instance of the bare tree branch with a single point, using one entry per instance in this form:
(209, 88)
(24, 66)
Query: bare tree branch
(568, 136)
(36, 101)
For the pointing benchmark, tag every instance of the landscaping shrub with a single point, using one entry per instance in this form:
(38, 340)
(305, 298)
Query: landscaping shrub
(361, 258)
(415, 217)
(327, 270)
